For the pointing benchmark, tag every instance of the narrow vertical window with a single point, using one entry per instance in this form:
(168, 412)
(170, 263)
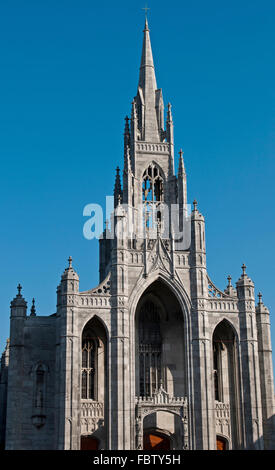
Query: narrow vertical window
(89, 350)
(39, 392)
(152, 195)
(150, 346)
(217, 370)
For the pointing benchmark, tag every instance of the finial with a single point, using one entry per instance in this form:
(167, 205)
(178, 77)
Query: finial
(229, 278)
(181, 153)
(146, 10)
(244, 268)
(133, 111)
(260, 298)
(19, 288)
(195, 205)
(169, 118)
(33, 307)
(126, 125)
(70, 259)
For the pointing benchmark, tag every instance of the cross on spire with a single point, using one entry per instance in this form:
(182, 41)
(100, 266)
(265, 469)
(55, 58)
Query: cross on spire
(260, 298)
(146, 10)
(19, 288)
(229, 278)
(70, 259)
(244, 268)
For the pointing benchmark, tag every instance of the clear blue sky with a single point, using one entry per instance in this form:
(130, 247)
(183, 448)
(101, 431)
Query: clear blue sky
(69, 71)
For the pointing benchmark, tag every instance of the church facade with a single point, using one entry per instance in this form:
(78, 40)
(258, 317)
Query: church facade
(156, 356)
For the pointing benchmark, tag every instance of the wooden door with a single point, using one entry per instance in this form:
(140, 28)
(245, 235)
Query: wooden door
(89, 443)
(152, 441)
(221, 443)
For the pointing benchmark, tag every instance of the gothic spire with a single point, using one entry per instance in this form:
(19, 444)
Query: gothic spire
(147, 78)
(147, 87)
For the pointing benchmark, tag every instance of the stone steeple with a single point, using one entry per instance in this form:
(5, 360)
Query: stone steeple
(149, 98)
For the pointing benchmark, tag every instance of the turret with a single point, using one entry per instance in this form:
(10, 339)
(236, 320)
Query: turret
(266, 373)
(17, 318)
(249, 363)
(69, 283)
(18, 305)
(230, 290)
(15, 399)
(198, 240)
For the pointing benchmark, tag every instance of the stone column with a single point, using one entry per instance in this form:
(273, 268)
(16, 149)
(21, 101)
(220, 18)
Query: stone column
(251, 392)
(3, 393)
(69, 354)
(120, 370)
(14, 431)
(266, 373)
(139, 430)
(203, 403)
(184, 425)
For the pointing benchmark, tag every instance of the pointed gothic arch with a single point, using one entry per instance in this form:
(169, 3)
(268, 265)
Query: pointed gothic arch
(226, 381)
(100, 322)
(153, 194)
(93, 360)
(160, 352)
(93, 382)
(183, 299)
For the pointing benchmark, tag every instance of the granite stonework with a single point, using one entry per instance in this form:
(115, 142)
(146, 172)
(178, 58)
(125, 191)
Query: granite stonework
(81, 376)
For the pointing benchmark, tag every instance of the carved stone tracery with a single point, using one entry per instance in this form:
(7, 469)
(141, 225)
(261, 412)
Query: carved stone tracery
(161, 401)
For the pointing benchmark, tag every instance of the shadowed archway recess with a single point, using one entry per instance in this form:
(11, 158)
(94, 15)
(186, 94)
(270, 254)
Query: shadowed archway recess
(159, 339)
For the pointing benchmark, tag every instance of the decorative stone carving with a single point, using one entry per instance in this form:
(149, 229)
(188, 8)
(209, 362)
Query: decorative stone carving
(161, 401)
(92, 416)
(222, 415)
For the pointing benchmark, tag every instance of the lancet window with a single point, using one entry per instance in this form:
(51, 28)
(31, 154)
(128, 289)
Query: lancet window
(89, 352)
(152, 194)
(217, 370)
(150, 350)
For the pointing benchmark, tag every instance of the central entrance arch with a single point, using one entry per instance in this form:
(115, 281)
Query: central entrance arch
(160, 343)
(166, 389)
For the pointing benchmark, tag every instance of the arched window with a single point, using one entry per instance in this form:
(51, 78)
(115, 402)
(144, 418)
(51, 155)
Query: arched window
(40, 386)
(223, 361)
(150, 348)
(39, 395)
(152, 194)
(217, 346)
(89, 353)
(39, 408)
